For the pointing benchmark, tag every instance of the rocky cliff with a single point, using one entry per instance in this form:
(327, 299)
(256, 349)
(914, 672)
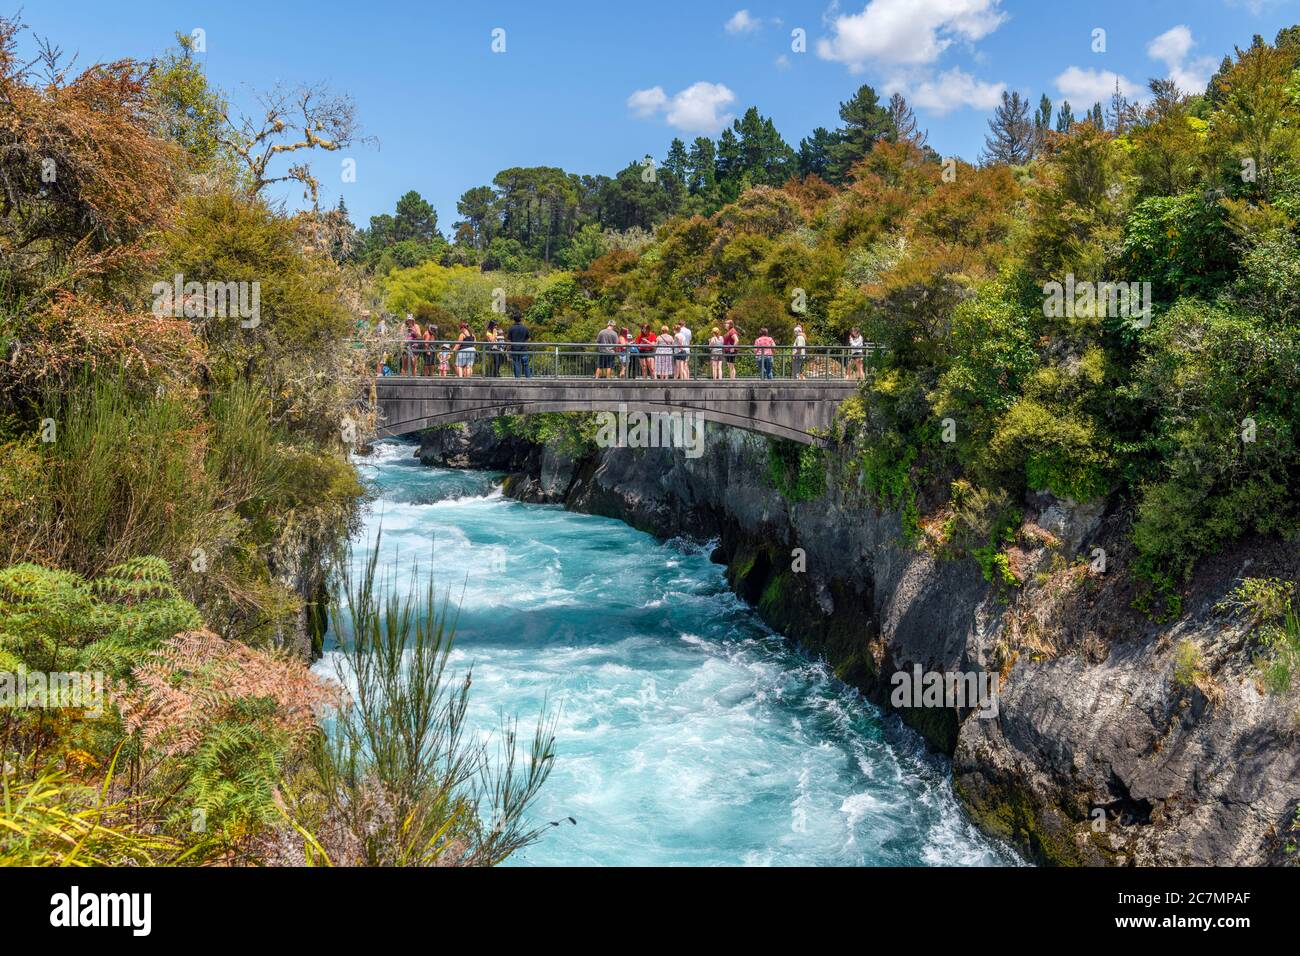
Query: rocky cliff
(1116, 740)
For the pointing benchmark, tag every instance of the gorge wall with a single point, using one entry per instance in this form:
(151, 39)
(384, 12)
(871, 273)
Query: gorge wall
(1100, 753)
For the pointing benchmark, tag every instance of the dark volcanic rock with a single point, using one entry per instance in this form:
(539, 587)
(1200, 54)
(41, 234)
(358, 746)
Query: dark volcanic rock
(476, 445)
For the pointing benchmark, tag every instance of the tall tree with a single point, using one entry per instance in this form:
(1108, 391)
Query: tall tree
(1011, 133)
(677, 161)
(865, 123)
(478, 212)
(631, 199)
(1122, 112)
(415, 218)
(701, 165)
(766, 158)
(1065, 119)
(730, 165)
(1253, 121)
(292, 120)
(1042, 122)
(906, 128)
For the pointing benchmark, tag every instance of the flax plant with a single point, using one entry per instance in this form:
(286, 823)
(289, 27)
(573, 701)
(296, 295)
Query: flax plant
(405, 781)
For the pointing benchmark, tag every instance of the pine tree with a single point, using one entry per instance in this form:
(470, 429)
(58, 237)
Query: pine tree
(730, 165)
(415, 218)
(1042, 122)
(701, 163)
(814, 153)
(677, 161)
(1011, 133)
(865, 122)
(1065, 119)
(765, 158)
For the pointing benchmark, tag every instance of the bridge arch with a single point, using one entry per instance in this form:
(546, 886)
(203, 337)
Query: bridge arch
(799, 411)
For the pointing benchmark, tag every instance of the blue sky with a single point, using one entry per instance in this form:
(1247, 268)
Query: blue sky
(591, 85)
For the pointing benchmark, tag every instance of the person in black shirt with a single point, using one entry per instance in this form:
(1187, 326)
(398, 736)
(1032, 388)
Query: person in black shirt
(517, 335)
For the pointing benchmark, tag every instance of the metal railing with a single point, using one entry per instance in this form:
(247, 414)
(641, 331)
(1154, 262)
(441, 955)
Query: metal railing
(452, 360)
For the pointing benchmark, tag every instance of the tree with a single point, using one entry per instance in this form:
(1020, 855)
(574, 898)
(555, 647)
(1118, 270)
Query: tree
(765, 158)
(1214, 89)
(1042, 122)
(293, 120)
(814, 155)
(340, 232)
(903, 119)
(1256, 120)
(729, 166)
(1011, 133)
(677, 161)
(477, 208)
(1065, 119)
(865, 123)
(1123, 114)
(630, 200)
(1167, 153)
(702, 175)
(415, 219)
(188, 110)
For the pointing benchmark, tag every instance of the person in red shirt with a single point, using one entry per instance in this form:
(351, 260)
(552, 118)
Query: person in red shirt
(645, 342)
(730, 339)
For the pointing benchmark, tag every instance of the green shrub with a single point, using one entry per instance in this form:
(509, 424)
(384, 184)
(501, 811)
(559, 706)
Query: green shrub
(1187, 664)
(797, 471)
(1060, 450)
(1222, 393)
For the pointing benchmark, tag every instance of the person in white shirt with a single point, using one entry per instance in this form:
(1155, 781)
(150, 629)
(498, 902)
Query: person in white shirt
(683, 356)
(855, 355)
(799, 352)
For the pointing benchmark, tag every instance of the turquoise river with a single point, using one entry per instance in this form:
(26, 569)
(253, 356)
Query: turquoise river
(689, 733)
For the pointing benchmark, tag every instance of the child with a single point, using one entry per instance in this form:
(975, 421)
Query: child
(444, 359)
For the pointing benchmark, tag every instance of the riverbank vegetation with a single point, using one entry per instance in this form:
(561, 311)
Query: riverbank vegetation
(178, 394)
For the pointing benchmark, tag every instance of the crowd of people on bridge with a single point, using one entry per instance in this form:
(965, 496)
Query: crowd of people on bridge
(619, 351)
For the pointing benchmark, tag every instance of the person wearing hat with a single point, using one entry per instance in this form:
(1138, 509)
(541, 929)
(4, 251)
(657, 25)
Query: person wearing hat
(799, 353)
(606, 340)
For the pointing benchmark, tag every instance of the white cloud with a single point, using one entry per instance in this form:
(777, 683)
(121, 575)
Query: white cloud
(783, 62)
(645, 103)
(907, 31)
(951, 90)
(1083, 88)
(742, 22)
(1172, 48)
(696, 109)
